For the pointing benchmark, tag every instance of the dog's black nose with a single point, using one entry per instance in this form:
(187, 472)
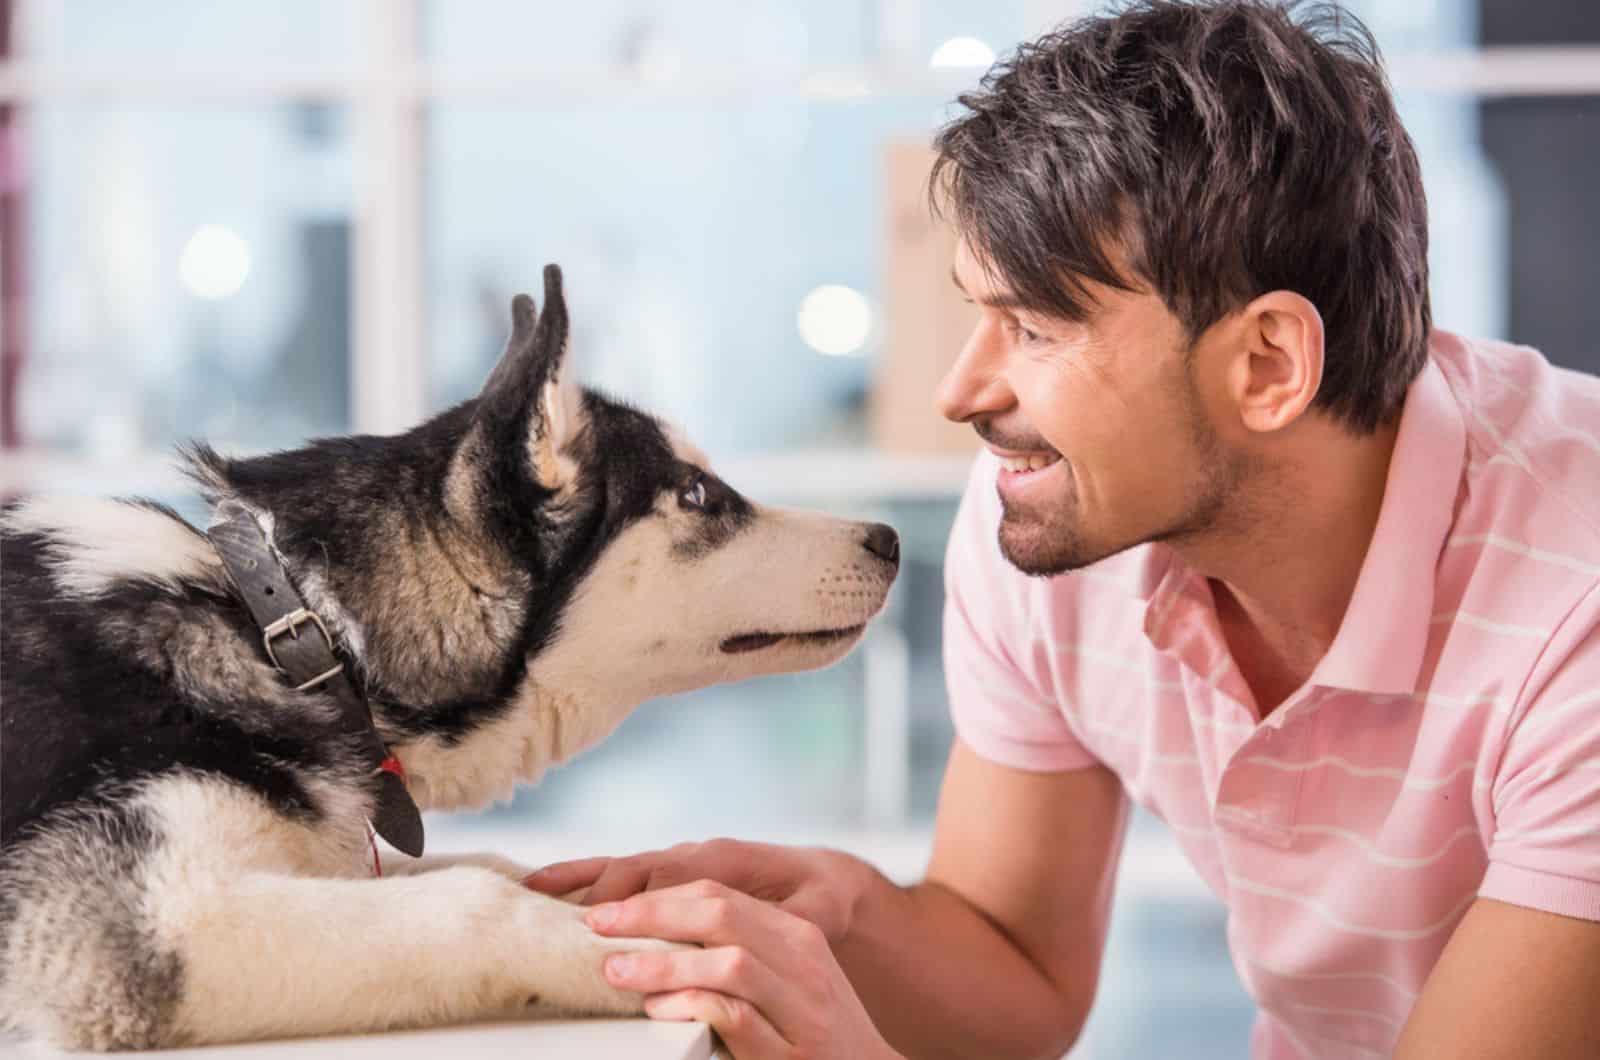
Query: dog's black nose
(883, 542)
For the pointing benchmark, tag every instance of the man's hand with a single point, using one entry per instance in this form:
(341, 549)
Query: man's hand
(816, 885)
(995, 954)
(766, 979)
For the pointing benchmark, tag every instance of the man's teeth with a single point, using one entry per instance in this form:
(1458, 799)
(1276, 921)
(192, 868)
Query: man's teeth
(1027, 463)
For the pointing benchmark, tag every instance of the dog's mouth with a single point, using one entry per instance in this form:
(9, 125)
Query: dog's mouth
(757, 641)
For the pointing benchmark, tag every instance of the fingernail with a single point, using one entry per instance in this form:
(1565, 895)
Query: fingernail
(619, 967)
(603, 916)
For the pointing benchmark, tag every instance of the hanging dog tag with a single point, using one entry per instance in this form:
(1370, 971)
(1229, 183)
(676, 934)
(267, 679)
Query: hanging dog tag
(397, 818)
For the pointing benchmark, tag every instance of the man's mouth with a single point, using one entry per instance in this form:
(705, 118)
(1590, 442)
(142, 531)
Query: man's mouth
(1028, 463)
(756, 641)
(1025, 477)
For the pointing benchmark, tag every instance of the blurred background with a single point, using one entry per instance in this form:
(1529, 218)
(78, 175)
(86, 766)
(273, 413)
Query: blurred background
(255, 223)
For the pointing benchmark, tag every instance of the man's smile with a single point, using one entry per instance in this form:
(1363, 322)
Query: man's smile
(1021, 477)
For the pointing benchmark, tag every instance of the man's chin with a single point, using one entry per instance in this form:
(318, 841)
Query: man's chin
(1043, 552)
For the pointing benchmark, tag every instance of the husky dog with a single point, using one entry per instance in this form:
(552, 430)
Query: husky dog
(184, 844)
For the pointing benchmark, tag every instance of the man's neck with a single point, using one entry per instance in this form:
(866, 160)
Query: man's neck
(1284, 577)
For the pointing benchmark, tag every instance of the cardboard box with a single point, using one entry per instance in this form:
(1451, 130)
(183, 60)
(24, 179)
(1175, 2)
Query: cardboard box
(926, 321)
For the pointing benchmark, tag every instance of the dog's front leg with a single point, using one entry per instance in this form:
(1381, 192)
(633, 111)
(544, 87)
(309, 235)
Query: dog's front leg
(400, 865)
(282, 955)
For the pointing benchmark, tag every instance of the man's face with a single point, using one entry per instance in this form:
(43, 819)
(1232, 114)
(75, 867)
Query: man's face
(1111, 408)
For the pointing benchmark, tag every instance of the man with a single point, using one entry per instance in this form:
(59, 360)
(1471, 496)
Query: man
(1321, 588)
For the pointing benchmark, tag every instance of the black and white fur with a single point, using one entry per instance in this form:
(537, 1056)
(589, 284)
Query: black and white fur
(183, 848)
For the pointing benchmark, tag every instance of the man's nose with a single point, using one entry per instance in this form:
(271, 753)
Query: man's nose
(974, 385)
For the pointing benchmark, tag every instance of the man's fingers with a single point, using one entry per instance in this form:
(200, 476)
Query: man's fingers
(656, 871)
(743, 1029)
(738, 865)
(607, 879)
(623, 878)
(703, 912)
(730, 970)
(566, 876)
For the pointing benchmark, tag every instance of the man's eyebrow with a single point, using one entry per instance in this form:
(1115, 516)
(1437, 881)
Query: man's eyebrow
(999, 301)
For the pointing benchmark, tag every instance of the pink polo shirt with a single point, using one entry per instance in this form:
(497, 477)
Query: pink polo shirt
(1447, 747)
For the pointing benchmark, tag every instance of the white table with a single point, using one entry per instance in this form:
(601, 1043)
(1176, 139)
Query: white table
(620, 1039)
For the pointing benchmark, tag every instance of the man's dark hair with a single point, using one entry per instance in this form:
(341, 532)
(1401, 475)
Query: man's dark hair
(1225, 149)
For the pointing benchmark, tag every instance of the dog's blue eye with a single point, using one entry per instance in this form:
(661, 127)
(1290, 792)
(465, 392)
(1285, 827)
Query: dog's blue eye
(695, 495)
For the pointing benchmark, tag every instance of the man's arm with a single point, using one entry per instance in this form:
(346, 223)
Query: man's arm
(997, 953)
(1521, 974)
(1512, 982)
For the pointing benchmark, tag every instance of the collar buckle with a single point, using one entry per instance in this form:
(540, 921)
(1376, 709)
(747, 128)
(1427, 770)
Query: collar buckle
(290, 624)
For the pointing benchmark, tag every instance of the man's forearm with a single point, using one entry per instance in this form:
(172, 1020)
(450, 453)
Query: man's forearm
(941, 980)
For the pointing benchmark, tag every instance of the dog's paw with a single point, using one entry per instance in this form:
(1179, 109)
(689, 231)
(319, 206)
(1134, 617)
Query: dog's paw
(567, 962)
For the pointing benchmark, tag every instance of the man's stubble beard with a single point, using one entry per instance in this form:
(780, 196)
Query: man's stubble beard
(1048, 543)
(1053, 543)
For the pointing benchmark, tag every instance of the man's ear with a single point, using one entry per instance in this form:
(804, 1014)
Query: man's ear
(526, 406)
(1275, 377)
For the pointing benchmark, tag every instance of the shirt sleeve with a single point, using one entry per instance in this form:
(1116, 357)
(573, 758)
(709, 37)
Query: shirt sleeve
(1545, 853)
(1000, 709)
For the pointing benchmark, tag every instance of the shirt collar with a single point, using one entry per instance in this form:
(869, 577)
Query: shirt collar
(1381, 640)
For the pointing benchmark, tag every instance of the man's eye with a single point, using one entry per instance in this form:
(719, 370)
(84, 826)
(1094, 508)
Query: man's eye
(1025, 334)
(695, 495)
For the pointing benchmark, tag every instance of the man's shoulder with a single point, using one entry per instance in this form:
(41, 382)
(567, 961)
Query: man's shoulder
(1524, 544)
(1533, 448)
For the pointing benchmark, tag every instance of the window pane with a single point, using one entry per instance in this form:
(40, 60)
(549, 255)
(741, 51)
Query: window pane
(1410, 28)
(648, 36)
(188, 271)
(1467, 270)
(947, 30)
(691, 233)
(194, 33)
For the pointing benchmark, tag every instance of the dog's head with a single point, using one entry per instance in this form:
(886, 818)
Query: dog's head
(660, 576)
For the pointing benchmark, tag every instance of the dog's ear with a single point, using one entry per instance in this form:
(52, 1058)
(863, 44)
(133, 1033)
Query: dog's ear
(527, 404)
